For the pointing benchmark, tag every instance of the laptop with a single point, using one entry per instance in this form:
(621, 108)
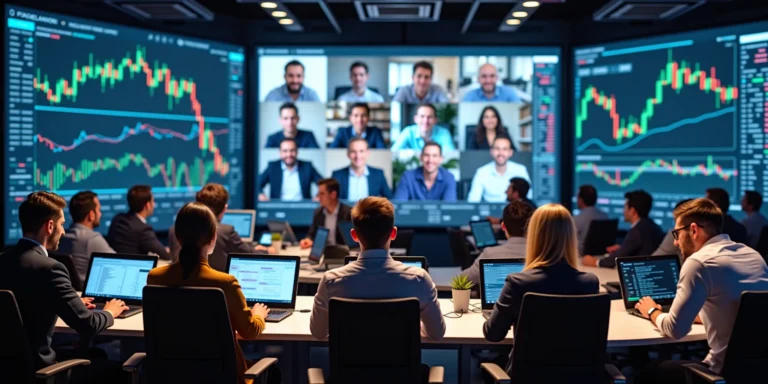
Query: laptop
(265, 239)
(318, 245)
(411, 261)
(346, 227)
(283, 228)
(243, 220)
(118, 276)
(482, 231)
(493, 274)
(652, 276)
(267, 279)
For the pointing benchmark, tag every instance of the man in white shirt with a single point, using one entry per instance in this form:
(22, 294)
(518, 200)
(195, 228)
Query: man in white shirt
(715, 272)
(360, 93)
(491, 180)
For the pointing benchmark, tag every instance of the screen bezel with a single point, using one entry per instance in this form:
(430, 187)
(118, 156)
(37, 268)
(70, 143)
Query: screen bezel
(472, 229)
(312, 255)
(483, 262)
(630, 259)
(251, 212)
(252, 256)
(115, 256)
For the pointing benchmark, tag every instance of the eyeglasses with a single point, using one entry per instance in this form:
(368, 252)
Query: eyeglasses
(676, 232)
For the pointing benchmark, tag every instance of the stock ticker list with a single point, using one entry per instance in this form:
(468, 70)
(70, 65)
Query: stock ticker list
(656, 279)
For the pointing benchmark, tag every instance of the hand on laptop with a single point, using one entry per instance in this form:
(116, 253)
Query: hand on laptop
(612, 248)
(88, 301)
(589, 261)
(305, 243)
(260, 310)
(645, 304)
(115, 307)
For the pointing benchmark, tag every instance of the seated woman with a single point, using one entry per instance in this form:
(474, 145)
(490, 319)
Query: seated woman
(488, 128)
(195, 230)
(550, 268)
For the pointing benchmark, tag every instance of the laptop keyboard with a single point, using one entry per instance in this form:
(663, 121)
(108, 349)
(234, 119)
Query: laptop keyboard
(635, 312)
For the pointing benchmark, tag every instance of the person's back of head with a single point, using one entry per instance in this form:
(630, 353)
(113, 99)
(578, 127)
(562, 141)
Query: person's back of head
(41, 216)
(641, 201)
(551, 238)
(696, 222)
(520, 185)
(138, 198)
(515, 218)
(720, 197)
(195, 230)
(215, 197)
(587, 195)
(373, 220)
(80, 207)
(753, 200)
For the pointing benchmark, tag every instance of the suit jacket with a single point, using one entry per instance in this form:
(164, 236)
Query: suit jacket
(273, 176)
(128, 234)
(318, 220)
(377, 183)
(642, 239)
(735, 230)
(44, 293)
(372, 135)
(81, 242)
(227, 241)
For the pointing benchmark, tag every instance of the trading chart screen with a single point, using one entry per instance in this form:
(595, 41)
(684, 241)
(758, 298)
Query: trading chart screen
(102, 107)
(673, 115)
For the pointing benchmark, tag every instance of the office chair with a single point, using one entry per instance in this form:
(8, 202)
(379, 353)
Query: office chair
(404, 240)
(338, 91)
(16, 360)
(462, 256)
(391, 354)
(189, 347)
(69, 264)
(462, 188)
(600, 235)
(747, 355)
(552, 348)
(762, 243)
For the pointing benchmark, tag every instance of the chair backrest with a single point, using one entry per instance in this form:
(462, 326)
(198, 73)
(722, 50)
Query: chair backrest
(16, 364)
(747, 354)
(342, 89)
(188, 336)
(553, 345)
(404, 239)
(458, 244)
(600, 234)
(391, 354)
(762, 243)
(69, 264)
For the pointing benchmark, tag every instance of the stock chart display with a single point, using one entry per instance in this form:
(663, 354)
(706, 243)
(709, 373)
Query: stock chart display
(673, 115)
(103, 107)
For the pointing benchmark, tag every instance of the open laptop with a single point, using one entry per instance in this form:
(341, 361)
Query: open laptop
(482, 231)
(283, 228)
(243, 220)
(118, 276)
(265, 239)
(411, 261)
(267, 279)
(345, 227)
(493, 274)
(652, 276)
(318, 245)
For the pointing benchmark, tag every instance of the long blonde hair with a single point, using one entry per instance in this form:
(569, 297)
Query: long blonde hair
(551, 237)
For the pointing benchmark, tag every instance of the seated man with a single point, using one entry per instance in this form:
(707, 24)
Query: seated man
(755, 221)
(289, 121)
(81, 240)
(735, 230)
(360, 93)
(289, 179)
(586, 201)
(329, 213)
(360, 180)
(293, 89)
(490, 91)
(425, 130)
(428, 182)
(358, 116)
(490, 180)
(518, 190)
(130, 233)
(715, 272)
(422, 90)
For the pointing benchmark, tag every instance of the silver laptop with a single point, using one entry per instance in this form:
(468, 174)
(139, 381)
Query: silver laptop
(267, 279)
(244, 221)
(493, 274)
(118, 276)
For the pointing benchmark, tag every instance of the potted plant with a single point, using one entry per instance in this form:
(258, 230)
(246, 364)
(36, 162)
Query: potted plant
(460, 289)
(277, 241)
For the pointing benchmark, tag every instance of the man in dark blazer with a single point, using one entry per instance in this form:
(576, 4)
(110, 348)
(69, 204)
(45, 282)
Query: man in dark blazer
(289, 121)
(289, 179)
(129, 232)
(644, 237)
(359, 115)
(360, 180)
(731, 227)
(42, 285)
(328, 215)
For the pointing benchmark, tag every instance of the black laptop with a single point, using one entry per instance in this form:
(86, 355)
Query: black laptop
(482, 231)
(118, 276)
(493, 274)
(318, 245)
(267, 279)
(652, 276)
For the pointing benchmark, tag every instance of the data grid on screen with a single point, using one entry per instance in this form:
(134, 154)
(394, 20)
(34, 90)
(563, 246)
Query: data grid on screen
(118, 278)
(265, 281)
(656, 279)
(494, 276)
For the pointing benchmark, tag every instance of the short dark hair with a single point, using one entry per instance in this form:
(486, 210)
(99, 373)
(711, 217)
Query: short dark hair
(432, 144)
(38, 209)
(515, 217)
(214, 196)
(357, 139)
(292, 63)
(720, 197)
(520, 185)
(358, 64)
(423, 64)
(81, 204)
(288, 106)
(360, 105)
(754, 199)
(588, 194)
(641, 201)
(138, 197)
(428, 105)
(704, 212)
(287, 139)
(331, 185)
(373, 219)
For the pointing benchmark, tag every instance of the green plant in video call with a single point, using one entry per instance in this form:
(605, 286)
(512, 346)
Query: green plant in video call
(461, 283)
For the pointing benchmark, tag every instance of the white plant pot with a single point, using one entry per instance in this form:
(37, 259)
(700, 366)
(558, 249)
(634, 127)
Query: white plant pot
(278, 244)
(461, 300)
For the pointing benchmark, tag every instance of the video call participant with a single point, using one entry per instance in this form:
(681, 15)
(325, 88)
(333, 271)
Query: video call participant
(489, 127)
(289, 179)
(489, 180)
(755, 221)
(422, 90)
(293, 89)
(642, 239)
(329, 213)
(489, 89)
(360, 180)
(359, 115)
(81, 240)
(289, 120)
(586, 200)
(424, 130)
(731, 227)
(428, 182)
(129, 231)
(42, 285)
(360, 93)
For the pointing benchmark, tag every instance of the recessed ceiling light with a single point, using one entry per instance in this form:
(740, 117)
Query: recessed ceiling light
(520, 14)
(279, 14)
(513, 22)
(530, 4)
(268, 4)
(285, 21)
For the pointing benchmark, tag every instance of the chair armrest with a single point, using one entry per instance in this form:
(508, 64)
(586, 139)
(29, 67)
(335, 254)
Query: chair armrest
(616, 376)
(436, 375)
(705, 374)
(316, 376)
(134, 362)
(57, 368)
(260, 367)
(499, 375)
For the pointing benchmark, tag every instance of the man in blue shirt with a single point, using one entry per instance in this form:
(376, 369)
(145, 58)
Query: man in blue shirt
(289, 120)
(360, 180)
(360, 93)
(491, 180)
(359, 116)
(293, 89)
(428, 182)
(425, 130)
(422, 90)
(755, 221)
(289, 179)
(489, 90)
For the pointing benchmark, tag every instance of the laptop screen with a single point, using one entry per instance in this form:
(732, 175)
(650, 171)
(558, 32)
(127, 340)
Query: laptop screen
(318, 243)
(242, 221)
(345, 227)
(118, 278)
(655, 277)
(494, 275)
(482, 231)
(265, 280)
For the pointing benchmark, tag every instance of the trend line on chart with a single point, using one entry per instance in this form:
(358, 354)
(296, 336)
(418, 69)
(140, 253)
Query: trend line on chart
(709, 168)
(675, 75)
(173, 174)
(140, 128)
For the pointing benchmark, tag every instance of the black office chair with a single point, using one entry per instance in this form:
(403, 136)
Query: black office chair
(403, 240)
(69, 264)
(392, 354)
(462, 255)
(16, 360)
(747, 354)
(338, 91)
(600, 235)
(762, 243)
(189, 348)
(553, 348)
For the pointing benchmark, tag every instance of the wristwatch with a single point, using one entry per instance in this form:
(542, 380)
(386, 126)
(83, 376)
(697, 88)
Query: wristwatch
(650, 311)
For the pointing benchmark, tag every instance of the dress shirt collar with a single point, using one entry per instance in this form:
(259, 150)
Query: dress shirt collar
(353, 174)
(515, 240)
(284, 90)
(45, 251)
(420, 174)
(427, 96)
(142, 218)
(373, 254)
(353, 133)
(716, 239)
(335, 211)
(635, 223)
(285, 167)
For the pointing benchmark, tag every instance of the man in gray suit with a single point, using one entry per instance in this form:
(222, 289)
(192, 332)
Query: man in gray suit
(81, 240)
(585, 201)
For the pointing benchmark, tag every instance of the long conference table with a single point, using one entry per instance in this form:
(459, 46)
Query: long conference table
(462, 334)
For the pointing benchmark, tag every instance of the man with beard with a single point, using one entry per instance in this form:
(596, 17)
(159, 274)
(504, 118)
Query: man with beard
(489, 90)
(289, 121)
(81, 240)
(42, 285)
(422, 90)
(360, 93)
(289, 179)
(425, 130)
(430, 181)
(293, 89)
(491, 180)
(715, 271)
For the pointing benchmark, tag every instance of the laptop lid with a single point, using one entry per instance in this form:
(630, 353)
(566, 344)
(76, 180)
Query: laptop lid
(652, 276)
(346, 227)
(283, 228)
(243, 220)
(117, 276)
(493, 274)
(266, 239)
(482, 231)
(412, 261)
(318, 244)
(268, 279)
